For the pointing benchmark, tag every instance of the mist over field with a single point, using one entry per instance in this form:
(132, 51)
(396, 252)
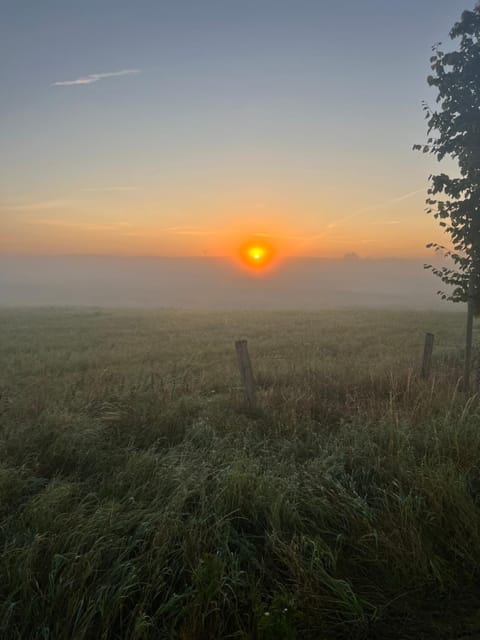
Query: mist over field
(216, 283)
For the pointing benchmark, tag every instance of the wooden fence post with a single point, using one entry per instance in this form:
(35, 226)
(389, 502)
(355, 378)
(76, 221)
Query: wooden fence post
(246, 372)
(427, 355)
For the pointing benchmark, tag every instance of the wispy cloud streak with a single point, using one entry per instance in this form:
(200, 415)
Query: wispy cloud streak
(359, 212)
(36, 206)
(375, 207)
(85, 226)
(109, 189)
(191, 231)
(94, 77)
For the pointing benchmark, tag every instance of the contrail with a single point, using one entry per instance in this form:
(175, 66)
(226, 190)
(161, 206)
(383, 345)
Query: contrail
(375, 207)
(359, 212)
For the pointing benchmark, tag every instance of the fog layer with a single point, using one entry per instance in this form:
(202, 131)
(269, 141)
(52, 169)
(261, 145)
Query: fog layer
(215, 283)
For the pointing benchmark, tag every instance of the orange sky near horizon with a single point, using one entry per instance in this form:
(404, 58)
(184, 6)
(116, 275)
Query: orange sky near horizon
(186, 129)
(128, 222)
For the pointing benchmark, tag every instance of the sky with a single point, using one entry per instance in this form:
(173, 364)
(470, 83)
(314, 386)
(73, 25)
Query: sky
(183, 128)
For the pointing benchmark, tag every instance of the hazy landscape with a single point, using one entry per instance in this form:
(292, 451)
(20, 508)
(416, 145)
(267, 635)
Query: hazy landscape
(216, 283)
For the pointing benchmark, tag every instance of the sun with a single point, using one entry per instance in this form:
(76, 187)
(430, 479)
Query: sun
(256, 254)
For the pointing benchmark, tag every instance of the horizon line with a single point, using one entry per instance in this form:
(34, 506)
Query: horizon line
(343, 258)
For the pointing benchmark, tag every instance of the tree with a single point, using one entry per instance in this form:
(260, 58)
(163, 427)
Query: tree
(454, 132)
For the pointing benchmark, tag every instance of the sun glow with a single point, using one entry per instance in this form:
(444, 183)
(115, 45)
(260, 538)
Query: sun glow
(256, 254)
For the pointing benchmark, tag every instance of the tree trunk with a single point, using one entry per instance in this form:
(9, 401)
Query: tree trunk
(468, 338)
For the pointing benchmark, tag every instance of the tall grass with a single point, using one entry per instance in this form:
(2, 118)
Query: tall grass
(140, 500)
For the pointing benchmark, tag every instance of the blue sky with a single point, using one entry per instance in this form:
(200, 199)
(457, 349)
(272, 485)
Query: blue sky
(209, 115)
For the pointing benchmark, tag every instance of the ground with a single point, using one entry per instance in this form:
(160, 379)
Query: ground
(140, 498)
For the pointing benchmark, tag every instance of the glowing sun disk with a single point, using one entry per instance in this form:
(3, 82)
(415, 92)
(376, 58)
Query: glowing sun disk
(256, 254)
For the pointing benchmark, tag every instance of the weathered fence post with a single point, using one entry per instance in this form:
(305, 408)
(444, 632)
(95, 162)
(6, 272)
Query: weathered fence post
(246, 372)
(427, 355)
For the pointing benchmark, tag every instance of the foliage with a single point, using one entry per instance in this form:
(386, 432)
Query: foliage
(454, 132)
(139, 500)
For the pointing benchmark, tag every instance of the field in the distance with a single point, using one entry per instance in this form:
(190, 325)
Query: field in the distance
(140, 500)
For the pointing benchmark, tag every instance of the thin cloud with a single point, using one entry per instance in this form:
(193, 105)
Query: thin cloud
(83, 226)
(191, 231)
(94, 77)
(110, 189)
(36, 206)
(51, 222)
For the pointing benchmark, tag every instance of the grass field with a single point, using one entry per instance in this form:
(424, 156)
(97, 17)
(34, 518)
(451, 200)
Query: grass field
(139, 499)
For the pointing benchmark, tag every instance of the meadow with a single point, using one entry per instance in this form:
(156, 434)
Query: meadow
(140, 498)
